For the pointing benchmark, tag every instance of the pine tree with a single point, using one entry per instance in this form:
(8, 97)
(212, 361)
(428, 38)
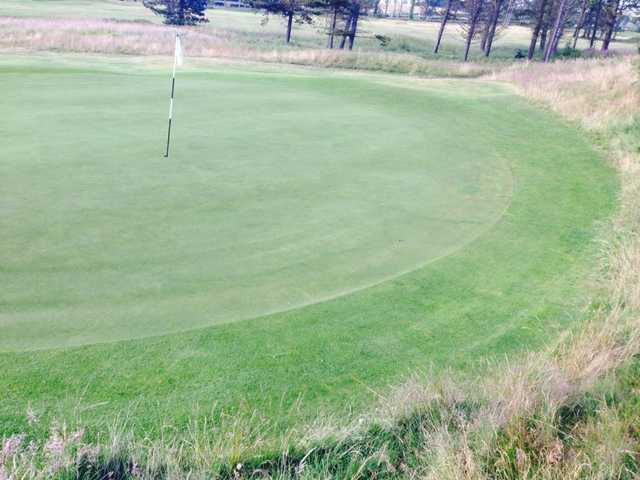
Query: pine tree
(299, 11)
(179, 12)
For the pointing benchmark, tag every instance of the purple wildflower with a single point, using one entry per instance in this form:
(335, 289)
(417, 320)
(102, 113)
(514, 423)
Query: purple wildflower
(135, 470)
(76, 436)
(11, 446)
(54, 446)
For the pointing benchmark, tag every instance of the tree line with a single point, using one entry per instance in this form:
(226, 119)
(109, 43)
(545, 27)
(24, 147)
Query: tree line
(481, 21)
(550, 21)
(343, 15)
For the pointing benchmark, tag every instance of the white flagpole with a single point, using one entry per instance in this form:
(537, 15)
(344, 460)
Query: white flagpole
(173, 88)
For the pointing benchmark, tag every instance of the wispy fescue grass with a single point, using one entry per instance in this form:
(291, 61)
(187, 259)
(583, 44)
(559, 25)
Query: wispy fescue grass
(599, 94)
(142, 38)
(570, 412)
(128, 28)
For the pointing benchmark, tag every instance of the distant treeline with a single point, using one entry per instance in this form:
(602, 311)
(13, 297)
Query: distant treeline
(596, 21)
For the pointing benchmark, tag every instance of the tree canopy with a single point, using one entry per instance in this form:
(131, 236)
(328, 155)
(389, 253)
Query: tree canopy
(179, 12)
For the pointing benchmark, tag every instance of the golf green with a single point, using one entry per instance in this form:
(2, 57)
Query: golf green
(279, 192)
(310, 234)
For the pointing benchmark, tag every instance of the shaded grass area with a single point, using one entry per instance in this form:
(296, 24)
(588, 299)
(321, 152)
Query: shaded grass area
(516, 287)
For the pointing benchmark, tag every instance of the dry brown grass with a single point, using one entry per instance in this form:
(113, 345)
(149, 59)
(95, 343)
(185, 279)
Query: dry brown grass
(597, 93)
(134, 38)
(108, 37)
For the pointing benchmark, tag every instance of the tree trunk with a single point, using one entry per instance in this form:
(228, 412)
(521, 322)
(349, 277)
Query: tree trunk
(606, 39)
(595, 24)
(612, 19)
(332, 28)
(492, 28)
(586, 28)
(552, 46)
(556, 33)
(289, 25)
(560, 34)
(443, 24)
(181, 19)
(345, 32)
(576, 35)
(580, 23)
(411, 9)
(543, 37)
(354, 25)
(472, 27)
(509, 15)
(485, 35)
(536, 30)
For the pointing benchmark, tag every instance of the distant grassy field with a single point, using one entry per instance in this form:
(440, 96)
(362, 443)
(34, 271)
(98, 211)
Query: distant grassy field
(239, 30)
(313, 235)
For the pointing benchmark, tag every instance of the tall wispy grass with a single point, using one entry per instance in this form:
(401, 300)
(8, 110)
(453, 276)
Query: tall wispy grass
(599, 94)
(139, 38)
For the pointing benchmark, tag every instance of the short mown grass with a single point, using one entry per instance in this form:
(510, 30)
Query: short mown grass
(517, 286)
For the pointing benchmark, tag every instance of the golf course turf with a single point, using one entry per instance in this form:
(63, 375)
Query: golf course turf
(312, 235)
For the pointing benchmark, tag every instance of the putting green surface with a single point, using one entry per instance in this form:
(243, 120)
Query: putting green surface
(310, 234)
(279, 192)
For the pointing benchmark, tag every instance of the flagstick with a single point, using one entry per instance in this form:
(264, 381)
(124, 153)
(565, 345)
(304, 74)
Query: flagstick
(173, 88)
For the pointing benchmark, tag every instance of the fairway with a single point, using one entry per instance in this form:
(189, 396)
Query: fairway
(312, 233)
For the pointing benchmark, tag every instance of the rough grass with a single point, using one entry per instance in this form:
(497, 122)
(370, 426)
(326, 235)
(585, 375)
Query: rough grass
(114, 27)
(599, 94)
(250, 29)
(571, 412)
(135, 38)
